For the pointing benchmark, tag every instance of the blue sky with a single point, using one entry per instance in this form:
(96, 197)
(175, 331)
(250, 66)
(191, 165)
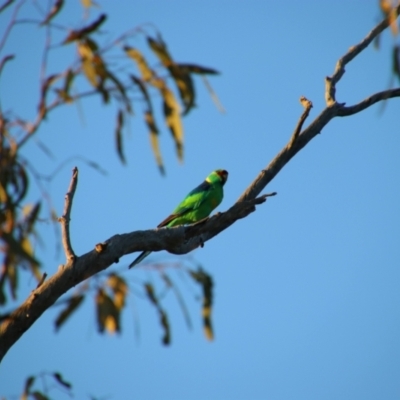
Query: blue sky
(306, 288)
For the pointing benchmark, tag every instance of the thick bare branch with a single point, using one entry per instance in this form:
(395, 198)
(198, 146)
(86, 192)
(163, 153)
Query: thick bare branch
(369, 101)
(65, 218)
(175, 240)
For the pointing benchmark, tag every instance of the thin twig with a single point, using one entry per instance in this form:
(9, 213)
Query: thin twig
(4, 60)
(5, 5)
(330, 82)
(332, 110)
(65, 219)
(213, 95)
(43, 278)
(45, 55)
(307, 107)
(11, 23)
(369, 101)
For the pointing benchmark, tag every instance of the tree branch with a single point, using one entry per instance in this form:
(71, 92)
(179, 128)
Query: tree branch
(369, 101)
(307, 108)
(179, 239)
(175, 240)
(352, 53)
(5, 5)
(65, 219)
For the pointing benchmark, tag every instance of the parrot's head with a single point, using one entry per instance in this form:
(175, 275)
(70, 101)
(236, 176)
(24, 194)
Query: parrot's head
(219, 175)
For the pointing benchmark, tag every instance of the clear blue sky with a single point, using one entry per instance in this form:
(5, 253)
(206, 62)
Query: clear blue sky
(307, 299)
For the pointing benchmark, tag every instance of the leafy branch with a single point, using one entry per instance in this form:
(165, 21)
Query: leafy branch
(90, 74)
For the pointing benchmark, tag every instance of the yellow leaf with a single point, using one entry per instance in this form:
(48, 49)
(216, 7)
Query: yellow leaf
(87, 3)
(143, 89)
(389, 10)
(107, 313)
(173, 119)
(110, 324)
(120, 289)
(185, 86)
(149, 118)
(160, 49)
(145, 71)
(206, 282)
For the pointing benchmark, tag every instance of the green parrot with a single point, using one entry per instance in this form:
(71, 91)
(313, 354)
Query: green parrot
(197, 205)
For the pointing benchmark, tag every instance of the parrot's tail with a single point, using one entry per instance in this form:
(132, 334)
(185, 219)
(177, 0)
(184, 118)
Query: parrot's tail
(139, 258)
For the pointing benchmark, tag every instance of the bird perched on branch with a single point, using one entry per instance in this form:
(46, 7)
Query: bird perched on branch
(198, 204)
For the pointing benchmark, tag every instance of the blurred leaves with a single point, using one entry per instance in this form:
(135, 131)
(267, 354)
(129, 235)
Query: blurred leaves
(206, 282)
(108, 315)
(165, 92)
(49, 381)
(113, 85)
(82, 33)
(388, 9)
(58, 4)
(17, 222)
(110, 292)
(109, 306)
(118, 136)
(72, 305)
(166, 339)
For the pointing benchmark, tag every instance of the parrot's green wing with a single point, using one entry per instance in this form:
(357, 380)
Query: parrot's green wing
(187, 210)
(198, 204)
